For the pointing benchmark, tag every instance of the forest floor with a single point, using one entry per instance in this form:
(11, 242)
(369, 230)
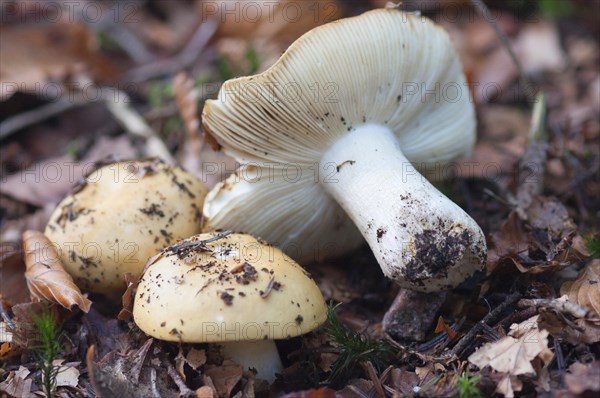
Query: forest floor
(526, 325)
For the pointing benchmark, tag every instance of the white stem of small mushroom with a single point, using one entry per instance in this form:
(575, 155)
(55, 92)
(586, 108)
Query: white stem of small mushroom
(420, 238)
(262, 355)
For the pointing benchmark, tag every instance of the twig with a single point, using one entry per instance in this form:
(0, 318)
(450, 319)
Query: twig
(197, 245)
(29, 118)
(567, 307)
(484, 10)
(438, 339)
(490, 331)
(140, 357)
(581, 176)
(370, 370)
(490, 317)
(183, 59)
(132, 121)
(6, 317)
(560, 358)
(357, 391)
(153, 383)
(114, 26)
(183, 389)
(518, 317)
(533, 162)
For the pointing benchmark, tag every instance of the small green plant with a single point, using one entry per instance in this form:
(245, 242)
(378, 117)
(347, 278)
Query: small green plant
(47, 348)
(106, 42)
(354, 348)
(171, 125)
(228, 71)
(159, 92)
(593, 246)
(72, 149)
(224, 68)
(253, 60)
(556, 8)
(467, 386)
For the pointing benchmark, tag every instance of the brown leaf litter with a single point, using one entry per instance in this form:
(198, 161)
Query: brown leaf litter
(585, 290)
(46, 276)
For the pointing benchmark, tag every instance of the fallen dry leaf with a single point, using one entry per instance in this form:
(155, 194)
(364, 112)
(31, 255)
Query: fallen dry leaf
(138, 357)
(508, 385)
(513, 354)
(204, 392)
(8, 350)
(270, 28)
(356, 388)
(585, 290)
(127, 299)
(186, 97)
(539, 49)
(35, 54)
(46, 277)
(313, 393)
(23, 329)
(283, 21)
(49, 181)
(68, 374)
(6, 337)
(404, 381)
(549, 215)
(504, 132)
(542, 243)
(444, 327)
(224, 377)
(17, 384)
(13, 287)
(209, 383)
(196, 358)
(115, 375)
(249, 389)
(107, 382)
(583, 378)
(334, 283)
(578, 331)
(11, 231)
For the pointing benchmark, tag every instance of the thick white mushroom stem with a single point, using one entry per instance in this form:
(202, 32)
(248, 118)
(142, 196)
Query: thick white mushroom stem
(420, 238)
(261, 355)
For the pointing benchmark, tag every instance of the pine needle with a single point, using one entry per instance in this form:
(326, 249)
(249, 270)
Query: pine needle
(354, 347)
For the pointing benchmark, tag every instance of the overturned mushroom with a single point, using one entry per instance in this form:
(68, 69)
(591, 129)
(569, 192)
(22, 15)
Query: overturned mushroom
(331, 138)
(119, 216)
(234, 290)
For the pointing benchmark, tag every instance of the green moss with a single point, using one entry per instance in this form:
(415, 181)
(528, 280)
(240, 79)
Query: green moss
(467, 386)
(46, 349)
(354, 348)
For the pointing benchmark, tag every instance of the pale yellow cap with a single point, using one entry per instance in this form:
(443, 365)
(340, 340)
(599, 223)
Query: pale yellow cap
(120, 215)
(236, 288)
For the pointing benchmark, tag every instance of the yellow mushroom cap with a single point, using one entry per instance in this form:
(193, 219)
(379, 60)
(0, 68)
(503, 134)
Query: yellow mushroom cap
(235, 288)
(120, 215)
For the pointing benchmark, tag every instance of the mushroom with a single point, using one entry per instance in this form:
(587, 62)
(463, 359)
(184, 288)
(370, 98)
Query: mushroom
(119, 216)
(331, 139)
(235, 290)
